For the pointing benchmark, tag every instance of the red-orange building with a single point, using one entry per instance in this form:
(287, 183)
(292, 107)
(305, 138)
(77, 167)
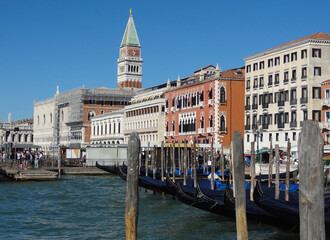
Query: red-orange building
(209, 104)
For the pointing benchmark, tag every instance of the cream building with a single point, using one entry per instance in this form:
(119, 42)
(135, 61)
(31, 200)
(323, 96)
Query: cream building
(108, 128)
(283, 88)
(146, 116)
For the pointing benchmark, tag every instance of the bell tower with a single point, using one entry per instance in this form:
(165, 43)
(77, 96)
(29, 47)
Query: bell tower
(130, 61)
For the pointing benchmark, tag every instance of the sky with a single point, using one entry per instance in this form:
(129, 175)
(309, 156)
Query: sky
(71, 43)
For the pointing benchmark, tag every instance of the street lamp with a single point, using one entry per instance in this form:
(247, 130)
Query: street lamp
(257, 130)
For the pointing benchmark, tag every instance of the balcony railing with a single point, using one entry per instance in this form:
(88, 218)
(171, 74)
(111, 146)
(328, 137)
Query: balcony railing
(166, 134)
(209, 129)
(293, 79)
(326, 125)
(270, 84)
(223, 102)
(200, 130)
(280, 125)
(171, 133)
(247, 87)
(247, 127)
(286, 81)
(254, 106)
(201, 104)
(293, 101)
(172, 109)
(261, 85)
(303, 78)
(166, 110)
(293, 124)
(303, 100)
(265, 126)
(276, 83)
(247, 107)
(265, 105)
(210, 102)
(326, 102)
(280, 103)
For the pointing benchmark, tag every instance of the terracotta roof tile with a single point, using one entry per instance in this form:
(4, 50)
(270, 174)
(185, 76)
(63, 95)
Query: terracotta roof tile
(326, 81)
(318, 35)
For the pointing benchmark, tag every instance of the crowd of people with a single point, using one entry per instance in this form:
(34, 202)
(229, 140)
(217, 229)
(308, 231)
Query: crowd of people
(24, 158)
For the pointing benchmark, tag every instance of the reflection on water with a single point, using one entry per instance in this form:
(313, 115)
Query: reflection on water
(93, 207)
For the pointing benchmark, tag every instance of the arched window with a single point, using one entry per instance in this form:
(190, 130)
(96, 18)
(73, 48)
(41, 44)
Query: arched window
(166, 126)
(211, 93)
(211, 121)
(202, 122)
(90, 114)
(202, 96)
(222, 95)
(173, 125)
(137, 69)
(118, 128)
(222, 124)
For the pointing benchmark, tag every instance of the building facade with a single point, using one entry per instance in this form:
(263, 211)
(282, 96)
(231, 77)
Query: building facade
(18, 134)
(145, 115)
(283, 88)
(108, 128)
(207, 105)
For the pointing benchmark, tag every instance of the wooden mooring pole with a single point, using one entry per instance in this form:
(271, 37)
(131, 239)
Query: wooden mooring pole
(212, 166)
(252, 171)
(311, 182)
(162, 161)
(277, 176)
(132, 192)
(185, 163)
(270, 164)
(173, 161)
(194, 163)
(287, 175)
(239, 182)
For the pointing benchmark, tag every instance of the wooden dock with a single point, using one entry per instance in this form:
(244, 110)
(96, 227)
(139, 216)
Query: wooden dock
(28, 174)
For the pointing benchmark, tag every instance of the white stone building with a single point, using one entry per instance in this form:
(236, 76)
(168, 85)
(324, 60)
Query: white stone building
(108, 128)
(283, 88)
(146, 116)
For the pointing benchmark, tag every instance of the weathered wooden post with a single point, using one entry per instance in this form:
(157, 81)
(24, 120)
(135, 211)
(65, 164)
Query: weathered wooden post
(311, 182)
(194, 164)
(179, 160)
(185, 163)
(204, 157)
(252, 171)
(147, 159)
(117, 155)
(212, 166)
(132, 192)
(239, 182)
(162, 161)
(270, 164)
(277, 176)
(153, 162)
(173, 161)
(287, 175)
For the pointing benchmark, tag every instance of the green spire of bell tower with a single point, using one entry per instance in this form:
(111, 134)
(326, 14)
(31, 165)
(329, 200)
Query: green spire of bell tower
(130, 35)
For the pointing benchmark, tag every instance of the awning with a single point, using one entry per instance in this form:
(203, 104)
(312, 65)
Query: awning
(263, 150)
(74, 145)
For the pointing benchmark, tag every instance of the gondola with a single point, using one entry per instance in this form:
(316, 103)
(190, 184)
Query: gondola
(281, 176)
(153, 184)
(122, 172)
(287, 211)
(111, 169)
(212, 200)
(253, 212)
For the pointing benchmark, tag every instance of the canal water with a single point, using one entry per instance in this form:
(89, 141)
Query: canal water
(93, 207)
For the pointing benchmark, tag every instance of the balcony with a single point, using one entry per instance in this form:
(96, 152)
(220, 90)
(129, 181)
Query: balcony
(172, 109)
(265, 105)
(171, 133)
(326, 125)
(254, 106)
(200, 130)
(265, 126)
(201, 104)
(166, 110)
(255, 86)
(325, 102)
(247, 127)
(223, 102)
(293, 101)
(223, 130)
(280, 103)
(286, 81)
(209, 129)
(248, 88)
(210, 102)
(270, 84)
(293, 124)
(261, 85)
(304, 78)
(247, 107)
(293, 80)
(303, 100)
(166, 134)
(254, 127)
(280, 125)
(276, 83)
